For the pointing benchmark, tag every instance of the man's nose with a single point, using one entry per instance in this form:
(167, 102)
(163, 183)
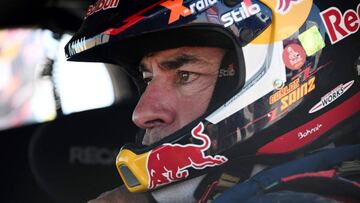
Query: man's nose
(155, 107)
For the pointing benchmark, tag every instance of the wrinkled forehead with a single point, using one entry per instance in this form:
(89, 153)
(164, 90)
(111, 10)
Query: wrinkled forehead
(176, 57)
(195, 51)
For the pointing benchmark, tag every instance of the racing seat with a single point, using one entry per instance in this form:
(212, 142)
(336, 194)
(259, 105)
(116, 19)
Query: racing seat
(73, 157)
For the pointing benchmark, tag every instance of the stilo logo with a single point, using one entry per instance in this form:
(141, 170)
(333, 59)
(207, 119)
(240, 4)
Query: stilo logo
(340, 26)
(229, 71)
(177, 8)
(331, 96)
(170, 162)
(284, 6)
(239, 14)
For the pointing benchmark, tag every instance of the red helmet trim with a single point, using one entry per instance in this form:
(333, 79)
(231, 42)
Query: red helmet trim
(320, 125)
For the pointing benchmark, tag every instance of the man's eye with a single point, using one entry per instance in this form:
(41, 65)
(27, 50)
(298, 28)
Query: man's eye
(184, 77)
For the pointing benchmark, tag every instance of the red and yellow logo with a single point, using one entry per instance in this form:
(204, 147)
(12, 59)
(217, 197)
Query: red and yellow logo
(166, 163)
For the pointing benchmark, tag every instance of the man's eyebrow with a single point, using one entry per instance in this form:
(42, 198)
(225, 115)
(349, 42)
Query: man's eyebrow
(178, 61)
(173, 63)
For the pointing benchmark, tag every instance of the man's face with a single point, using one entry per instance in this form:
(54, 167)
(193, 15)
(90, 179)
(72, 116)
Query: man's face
(181, 82)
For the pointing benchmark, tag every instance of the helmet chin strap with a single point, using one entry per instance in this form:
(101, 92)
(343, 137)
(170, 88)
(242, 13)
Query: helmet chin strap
(178, 193)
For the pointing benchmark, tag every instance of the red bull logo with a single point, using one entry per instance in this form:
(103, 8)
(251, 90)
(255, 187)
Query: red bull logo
(341, 25)
(170, 162)
(101, 5)
(284, 6)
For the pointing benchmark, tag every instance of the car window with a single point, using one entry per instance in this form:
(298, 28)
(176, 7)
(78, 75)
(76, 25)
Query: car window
(82, 86)
(37, 83)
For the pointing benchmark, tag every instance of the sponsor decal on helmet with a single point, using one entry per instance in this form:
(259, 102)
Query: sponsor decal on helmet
(239, 14)
(307, 132)
(331, 96)
(290, 141)
(311, 40)
(293, 92)
(284, 91)
(338, 25)
(101, 5)
(284, 6)
(83, 44)
(170, 162)
(229, 71)
(297, 94)
(294, 56)
(177, 8)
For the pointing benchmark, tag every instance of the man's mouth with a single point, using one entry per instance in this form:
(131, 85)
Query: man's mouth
(155, 134)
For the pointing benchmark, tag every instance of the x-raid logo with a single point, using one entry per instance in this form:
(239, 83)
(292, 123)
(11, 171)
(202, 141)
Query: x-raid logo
(177, 8)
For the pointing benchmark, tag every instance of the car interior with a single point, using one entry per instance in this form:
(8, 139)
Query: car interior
(58, 144)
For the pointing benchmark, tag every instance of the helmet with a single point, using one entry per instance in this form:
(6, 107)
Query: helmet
(287, 83)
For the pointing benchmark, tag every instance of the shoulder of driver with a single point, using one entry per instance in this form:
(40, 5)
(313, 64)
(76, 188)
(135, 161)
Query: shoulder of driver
(121, 194)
